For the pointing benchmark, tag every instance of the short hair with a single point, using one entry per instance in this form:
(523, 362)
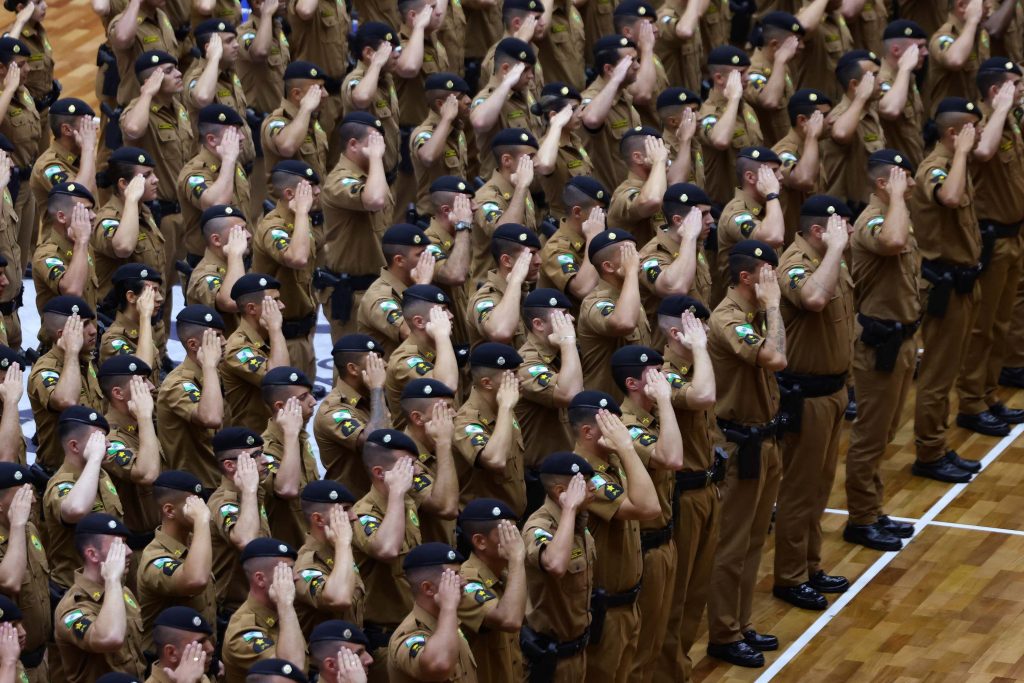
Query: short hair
(510, 13)
(498, 150)
(109, 382)
(322, 650)
(542, 312)
(86, 541)
(66, 431)
(282, 180)
(418, 575)
(849, 71)
(741, 263)
(674, 207)
(407, 5)
(417, 404)
(953, 119)
(987, 79)
(311, 506)
(770, 33)
(121, 170)
(188, 331)
(216, 129)
(479, 372)
(605, 253)
(606, 58)
(343, 358)
(353, 130)
(472, 527)
(501, 58)
(623, 21)
(119, 293)
(442, 197)
(807, 222)
(273, 393)
(165, 494)
(390, 251)
(574, 196)
(61, 202)
(375, 455)
(746, 165)
(53, 323)
(412, 307)
(550, 481)
(250, 298)
(217, 226)
(801, 107)
(500, 247)
(168, 635)
(259, 564)
(622, 373)
(58, 120)
(633, 143)
(582, 415)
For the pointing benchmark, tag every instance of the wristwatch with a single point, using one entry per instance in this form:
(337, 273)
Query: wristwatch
(770, 196)
(462, 226)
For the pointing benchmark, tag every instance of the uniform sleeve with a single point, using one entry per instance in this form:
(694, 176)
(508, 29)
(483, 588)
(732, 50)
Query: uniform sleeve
(56, 172)
(404, 653)
(272, 241)
(741, 337)
(50, 265)
(680, 388)
(470, 438)
(536, 537)
(310, 585)
(75, 621)
(596, 315)
(270, 130)
(407, 368)
(939, 45)
(366, 526)
(607, 496)
(52, 498)
(247, 363)
(103, 234)
(739, 225)
(246, 646)
(644, 442)
(792, 278)
(344, 192)
(42, 384)
(480, 308)
(537, 382)
(789, 159)
(341, 425)
(120, 460)
(192, 186)
(477, 602)
(383, 315)
(560, 266)
(865, 232)
(706, 120)
(650, 269)
(202, 289)
(930, 178)
(623, 207)
(157, 573)
(756, 80)
(181, 398)
(489, 210)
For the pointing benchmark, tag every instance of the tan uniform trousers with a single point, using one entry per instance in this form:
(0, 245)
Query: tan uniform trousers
(695, 536)
(610, 660)
(945, 340)
(25, 207)
(746, 514)
(986, 347)
(880, 400)
(655, 598)
(338, 328)
(1014, 345)
(808, 469)
(301, 354)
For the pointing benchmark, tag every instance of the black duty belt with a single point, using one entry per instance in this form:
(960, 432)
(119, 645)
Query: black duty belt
(813, 386)
(543, 652)
(748, 439)
(1001, 230)
(623, 599)
(947, 278)
(33, 658)
(345, 286)
(298, 328)
(701, 479)
(379, 635)
(649, 540)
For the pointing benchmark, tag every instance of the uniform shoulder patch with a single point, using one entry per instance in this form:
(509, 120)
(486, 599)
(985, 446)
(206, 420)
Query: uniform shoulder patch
(652, 269)
(346, 423)
(415, 644)
(76, 622)
(567, 262)
(746, 333)
(541, 537)
(49, 378)
(745, 222)
(250, 359)
(281, 238)
(795, 275)
(605, 306)
(167, 565)
(258, 641)
(192, 391)
(541, 373)
(479, 592)
(108, 226)
(874, 225)
(119, 454)
(369, 524)
(420, 365)
(314, 579)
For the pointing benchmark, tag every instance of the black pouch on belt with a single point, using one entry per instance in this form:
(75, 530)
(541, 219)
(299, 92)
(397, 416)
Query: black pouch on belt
(791, 404)
(748, 451)
(988, 243)
(541, 652)
(885, 338)
(941, 280)
(598, 611)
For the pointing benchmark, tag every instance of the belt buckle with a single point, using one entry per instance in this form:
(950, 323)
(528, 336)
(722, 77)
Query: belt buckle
(709, 474)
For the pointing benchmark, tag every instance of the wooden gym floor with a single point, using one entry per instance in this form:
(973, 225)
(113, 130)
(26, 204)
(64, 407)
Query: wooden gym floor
(950, 605)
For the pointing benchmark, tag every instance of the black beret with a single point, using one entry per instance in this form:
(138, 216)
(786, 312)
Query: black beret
(267, 547)
(686, 194)
(356, 343)
(148, 60)
(425, 387)
(84, 415)
(220, 114)
(520, 234)
(999, 65)
(635, 8)
(198, 314)
(327, 491)
(102, 524)
(808, 97)
(755, 249)
(727, 55)
(448, 82)
(299, 168)
(856, 56)
(487, 509)
(405, 235)
(278, 667)
(590, 187)
(373, 31)
(524, 5)
(903, 28)
(179, 480)
(8, 610)
(824, 205)
(957, 105)
(890, 157)
(394, 440)
(544, 297)
(612, 41)
(235, 438)
(71, 106)
(641, 130)
(763, 154)
(301, 69)
(557, 89)
(124, 365)
(565, 463)
(363, 118)
(431, 555)
(783, 20)
(8, 356)
(253, 282)
(72, 189)
(337, 630)
(603, 239)
(495, 355)
(117, 677)
(11, 47)
(6, 144)
(514, 137)
(671, 97)
(183, 619)
(285, 376)
(12, 474)
(208, 26)
(220, 211)
(132, 155)
(69, 304)
(135, 271)
(677, 304)
(429, 293)
(635, 355)
(596, 400)
(451, 183)
(516, 49)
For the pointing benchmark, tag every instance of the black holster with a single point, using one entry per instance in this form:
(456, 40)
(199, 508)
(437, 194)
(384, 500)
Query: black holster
(791, 404)
(886, 337)
(56, 594)
(598, 612)
(44, 102)
(988, 243)
(378, 635)
(255, 121)
(404, 156)
(345, 286)
(111, 77)
(112, 136)
(38, 477)
(541, 652)
(945, 280)
(161, 209)
(33, 658)
(748, 440)
(298, 328)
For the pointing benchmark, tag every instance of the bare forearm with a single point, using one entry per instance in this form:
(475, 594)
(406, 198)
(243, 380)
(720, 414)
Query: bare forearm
(722, 132)
(291, 646)
(952, 190)
(11, 439)
(844, 128)
(247, 527)
(77, 274)
(516, 210)
(678, 277)
(386, 542)
(682, 165)
(441, 652)
(570, 375)
(494, 456)
(773, 228)
(627, 308)
(211, 401)
(147, 464)
(205, 88)
(892, 103)
(109, 629)
(669, 448)
(485, 115)
(375, 192)
(15, 563)
(69, 385)
(341, 583)
(126, 237)
(455, 269)
(365, 90)
(290, 138)
(82, 495)
(287, 480)
(444, 499)
(446, 366)
(431, 151)
(501, 324)
(195, 570)
(556, 556)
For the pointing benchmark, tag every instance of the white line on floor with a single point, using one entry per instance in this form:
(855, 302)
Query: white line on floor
(951, 525)
(882, 562)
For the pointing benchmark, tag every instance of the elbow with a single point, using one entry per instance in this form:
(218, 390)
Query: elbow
(814, 304)
(373, 203)
(702, 400)
(499, 335)
(775, 362)
(721, 145)
(296, 261)
(387, 554)
(338, 602)
(10, 586)
(649, 510)
(287, 491)
(555, 569)
(449, 510)
(122, 251)
(621, 329)
(891, 247)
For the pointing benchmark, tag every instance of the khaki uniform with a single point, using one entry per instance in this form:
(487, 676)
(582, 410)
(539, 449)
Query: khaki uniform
(904, 132)
(697, 174)
(455, 160)
(153, 32)
(603, 143)
(205, 282)
(286, 519)
(433, 527)
(241, 372)
(492, 200)
(225, 505)
(121, 338)
(441, 245)
(251, 636)
(597, 21)
(380, 312)
(75, 613)
(561, 258)
(544, 424)
(715, 26)
(596, 344)
(951, 238)
(10, 325)
(816, 63)
(869, 25)
(140, 510)
(560, 52)
(844, 164)
(273, 235)
(649, 111)
(230, 93)
(160, 560)
(337, 426)
(747, 395)
(497, 653)
(818, 344)
(323, 40)
(474, 426)
(195, 176)
(412, 100)
(186, 445)
(559, 607)
(774, 122)
(572, 160)
(740, 220)
(623, 212)
(313, 149)
(409, 640)
(384, 108)
(657, 255)
(38, 73)
(618, 569)
(720, 165)
(944, 80)
(314, 566)
(1011, 42)
(483, 304)
(483, 29)
(41, 383)
(452, 35)
(49, 263)
(170, 140)
(682, 59)
(515, 113)
(54, 165)
(790, 150)
(409, 361)
(149, 249)
(22, 127)
(33, 596)
(263, 78)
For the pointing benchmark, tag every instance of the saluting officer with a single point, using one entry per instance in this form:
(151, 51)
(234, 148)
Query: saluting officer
(293, 130)
(223, 262)
(565, 264)
(63, 262)
(72, 154)
(495, 310)
(182, 641)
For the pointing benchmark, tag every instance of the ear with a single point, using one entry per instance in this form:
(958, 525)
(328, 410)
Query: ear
(479, 542)
(377, 472)
(167, 509)
(632, 384)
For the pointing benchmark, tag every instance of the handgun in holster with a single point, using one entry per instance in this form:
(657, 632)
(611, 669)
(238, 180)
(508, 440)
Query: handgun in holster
(885, 339)
(941, 290)
(791, 405)
(542, 653)
(598, 612)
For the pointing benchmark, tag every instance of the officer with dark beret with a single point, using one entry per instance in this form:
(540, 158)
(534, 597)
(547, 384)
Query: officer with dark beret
(293, 130)
(677, 115)
(636, 202)
(183, 643)
(227, 244)
(71, 156)
(494, 310)
(951, 74)
(438, 145)
(903, 49)
(136, 298)
(62, 260)
(771, 78)
(564, 263)
(277, 668)
(337, 648)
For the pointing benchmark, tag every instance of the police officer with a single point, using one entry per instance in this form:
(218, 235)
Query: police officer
(263, 58)
(677, 112)
(678, 43)
(189, 403)
(12, 441)
(450, 230)
(99, 623)
(21, 125)
(636, 20)
(495, 310)
(433, 626)
(63, 376)
(747, 344)
(354, 409)
(141, 26)
(327, 584)
(183, 643)
(223, 262)
(137, 294)
(957, 49)
(505, 102)
(63, 262)
(636, 202)
(72, 154)
(799, 152)
(438, 147)
(565, 265)
(257, 346)
(337, 649)
(828, 39)
(293, 130)
(562, 154)
(769, 83)
(176, 567)
(901, 109)
(276, 669)
(265, 626)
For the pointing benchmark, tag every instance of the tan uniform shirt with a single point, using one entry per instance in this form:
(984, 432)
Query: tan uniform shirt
(944, 80)
(869, 25)
(560, 52)
(286, 519)
(474, 426)
(740, 219)
(595, 341)
(169, 139)
(660, 253)
(225, 506)
(272, 237)
(322, 40)
(380, 311)
(263, 78)
(38, 72)
(948, 235)
(339, 421)
(251, 636)
(624, 213)
(408, 641)
(121, 338)
(33, 596)
(515, 113)
(229, 92)
(153, 32)
(49, 263)
(886, 286)
(603, 143)
(314, 567)
(353, 234)
(22, 127)
(774, 122)
(816, 64)
(195, 177)
(313, 149)
(545, 424)
(442, 242)
(140, 510)
(408, 362)
(483, 303)
(54, 165)
(454, 161)
(620, 561)
(790, 150)
(695, 426)
(205, 282)
(999, 182)
(412, 99)
(572, 160)
(644, 430)
(904, 132)
(497, 653)
(161, 559)
(241, 372)
(720, 165)
(682, 59)
(561, 258)
(186, 445)
(845, 165)
(384, 107)
(149, 248)
(492, 201)
(10, 247)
